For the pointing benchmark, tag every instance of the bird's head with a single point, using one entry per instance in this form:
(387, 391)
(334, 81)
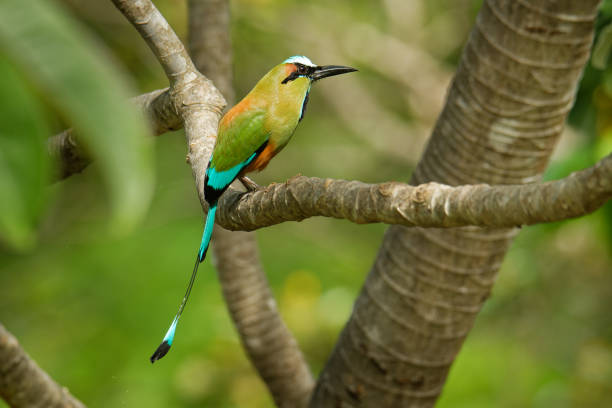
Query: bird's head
(300, 66)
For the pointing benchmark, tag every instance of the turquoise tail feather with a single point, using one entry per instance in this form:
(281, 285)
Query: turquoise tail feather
(166, 343)
(208, 229)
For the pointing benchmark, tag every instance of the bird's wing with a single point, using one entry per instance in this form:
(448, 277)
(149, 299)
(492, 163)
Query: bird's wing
(238, 144)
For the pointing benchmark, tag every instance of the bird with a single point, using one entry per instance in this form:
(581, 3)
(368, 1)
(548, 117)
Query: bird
(249, 135)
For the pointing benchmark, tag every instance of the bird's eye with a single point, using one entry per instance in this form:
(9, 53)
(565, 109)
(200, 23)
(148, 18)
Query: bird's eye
(301, 69)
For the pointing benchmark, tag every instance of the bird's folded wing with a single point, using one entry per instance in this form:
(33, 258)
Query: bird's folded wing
(237, 146)
(239, 140)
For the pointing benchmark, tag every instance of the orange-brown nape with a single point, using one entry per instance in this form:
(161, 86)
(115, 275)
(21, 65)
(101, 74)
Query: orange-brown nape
(290, 69)
(243, 106)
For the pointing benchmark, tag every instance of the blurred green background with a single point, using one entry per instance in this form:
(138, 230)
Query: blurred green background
(90, 305)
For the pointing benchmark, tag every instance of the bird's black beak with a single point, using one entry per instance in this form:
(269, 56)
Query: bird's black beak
(329, 70)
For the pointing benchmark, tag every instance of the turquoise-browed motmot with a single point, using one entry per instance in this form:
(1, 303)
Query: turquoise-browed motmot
(249, 135)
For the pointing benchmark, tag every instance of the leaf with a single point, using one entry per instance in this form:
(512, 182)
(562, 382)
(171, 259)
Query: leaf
(75, 74)
(602, 48)
(23, 160)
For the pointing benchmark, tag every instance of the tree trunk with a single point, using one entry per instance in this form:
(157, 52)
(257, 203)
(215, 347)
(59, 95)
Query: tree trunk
(505, 111)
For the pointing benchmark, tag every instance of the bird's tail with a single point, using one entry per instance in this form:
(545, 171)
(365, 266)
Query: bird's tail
(166, 343)
(208, 229)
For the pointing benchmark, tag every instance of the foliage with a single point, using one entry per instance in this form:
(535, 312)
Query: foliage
(76, 79)
(23, 160)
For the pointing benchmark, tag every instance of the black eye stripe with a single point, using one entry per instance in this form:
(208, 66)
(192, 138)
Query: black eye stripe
(294, 75)
(302, 70)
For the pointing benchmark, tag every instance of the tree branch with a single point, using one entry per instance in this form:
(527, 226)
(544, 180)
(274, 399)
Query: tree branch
(195, 98)
(192, 100)
(69, 155)
(159, 109)
(72, 158)
(426, 205)
(161, 38)
(24, 384)
(268, 342)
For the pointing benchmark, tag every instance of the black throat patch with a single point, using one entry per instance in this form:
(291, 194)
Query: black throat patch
(306, 98)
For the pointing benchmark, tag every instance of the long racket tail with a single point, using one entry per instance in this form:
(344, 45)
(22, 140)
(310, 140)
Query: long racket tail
(166, 343)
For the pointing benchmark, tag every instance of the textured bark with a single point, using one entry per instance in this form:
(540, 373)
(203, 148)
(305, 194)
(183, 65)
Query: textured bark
(269, 344)
(426, 205)
(161, 38)
(159, 111)
(267, 341)
(504, 113)
(71, 156)
(24, 384)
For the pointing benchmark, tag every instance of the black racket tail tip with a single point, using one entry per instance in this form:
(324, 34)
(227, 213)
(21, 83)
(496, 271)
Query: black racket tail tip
(161, 351)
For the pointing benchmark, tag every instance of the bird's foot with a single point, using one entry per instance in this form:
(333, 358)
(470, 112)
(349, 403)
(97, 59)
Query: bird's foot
(249, 184)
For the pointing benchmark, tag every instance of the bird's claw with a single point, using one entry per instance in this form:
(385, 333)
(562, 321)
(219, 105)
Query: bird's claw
(249, 184)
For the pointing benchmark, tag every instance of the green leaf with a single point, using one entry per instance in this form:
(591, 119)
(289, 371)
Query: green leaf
(23, 160)
(602, 48)
(75, 74)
